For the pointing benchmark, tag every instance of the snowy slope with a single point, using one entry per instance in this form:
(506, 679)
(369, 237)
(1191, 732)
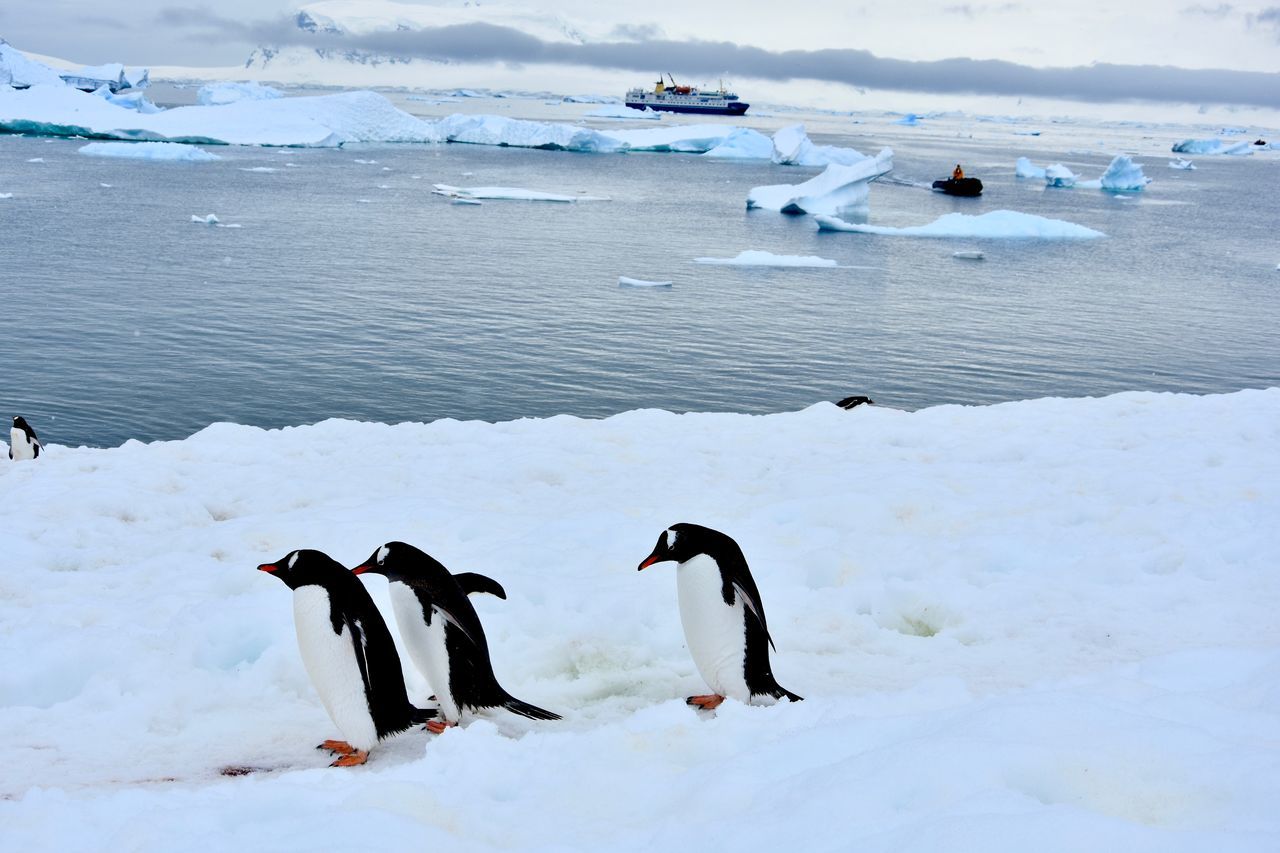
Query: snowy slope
(1046, 625)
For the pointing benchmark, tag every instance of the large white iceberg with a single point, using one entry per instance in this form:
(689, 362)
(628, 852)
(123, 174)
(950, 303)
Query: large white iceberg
(998, 224)
(167, 151)
(1211, 146)
(792, 147)
(17, 70)
(220, 94)
(1024, 168)
(757, 258)
(499, 130)
(839, 189)
(743, 144)
(1059, 175)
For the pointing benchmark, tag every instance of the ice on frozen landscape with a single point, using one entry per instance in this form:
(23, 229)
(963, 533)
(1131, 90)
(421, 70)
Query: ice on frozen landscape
(1059, 175)
(998, 224)
(1024, 168)
(1212, 146)
(1045, 625)
(756, 258)
(509, 194)
(219, 94)
(626, 281)
(839, 189)
(1183, 164)
(156, 151)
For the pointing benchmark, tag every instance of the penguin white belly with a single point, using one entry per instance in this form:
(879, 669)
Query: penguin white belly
(425, 644)
(19, 446)
(715, 632)
(330, 660)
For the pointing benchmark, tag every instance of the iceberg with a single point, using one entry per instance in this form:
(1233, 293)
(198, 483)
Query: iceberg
(1024, 168)
(624, 112)
(743, 144)
(1211, 146)
(517, 133)
(968, 255)
(1059, 175)
(1123, 175)
(6, 195)
(792, 147)
(756, 258)
(207, 219)
(1180, 163)
(625, 281)
(136, 101)
(219, 94)
(839, 189)
(680, 139)
(16, 70)
(998, 224)
(508, 193)
(165, 151)
(909, 120)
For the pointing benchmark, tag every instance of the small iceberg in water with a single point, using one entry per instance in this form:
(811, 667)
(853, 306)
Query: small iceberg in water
(207, 219)
(625, 281)
(1181, 163)
(1059, 175)
(968, 255)
(840, 189)
(509, 194)
(998, 224)
(756, 258)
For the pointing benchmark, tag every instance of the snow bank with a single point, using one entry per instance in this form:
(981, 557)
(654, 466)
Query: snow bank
(1024, 168)
(1212, 146)
(792, 147)
(756, 258)
(623, 111)
(1059, 175)
(1045, 625)
(219, 94)
(1124, 175)
(167, 151)
(839, 189)
(743, 144)
(998, 224)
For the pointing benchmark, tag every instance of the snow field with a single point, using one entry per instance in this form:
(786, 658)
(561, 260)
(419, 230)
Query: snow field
(1040, 625)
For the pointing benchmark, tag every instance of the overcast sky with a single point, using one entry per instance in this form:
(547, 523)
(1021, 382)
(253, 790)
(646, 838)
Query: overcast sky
(1086, 49)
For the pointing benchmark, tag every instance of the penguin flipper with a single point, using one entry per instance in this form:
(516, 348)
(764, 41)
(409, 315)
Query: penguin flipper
(753, 607)
(473, 584)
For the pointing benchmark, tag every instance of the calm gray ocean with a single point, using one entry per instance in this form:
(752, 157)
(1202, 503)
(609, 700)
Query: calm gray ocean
(350, 291)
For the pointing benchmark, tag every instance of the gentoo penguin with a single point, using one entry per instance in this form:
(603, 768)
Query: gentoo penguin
(23, 443)
(722, 614)
(348, 652)
(443, 634)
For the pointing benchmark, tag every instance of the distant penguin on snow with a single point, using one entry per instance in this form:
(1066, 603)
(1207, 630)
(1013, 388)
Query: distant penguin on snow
(348, 652)
(722, 614)
(23, 443)
(443, 633)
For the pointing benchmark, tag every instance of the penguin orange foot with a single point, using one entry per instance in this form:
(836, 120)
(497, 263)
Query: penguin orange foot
(437, 727)
(337, 747)
(357, 756)
(707, 702)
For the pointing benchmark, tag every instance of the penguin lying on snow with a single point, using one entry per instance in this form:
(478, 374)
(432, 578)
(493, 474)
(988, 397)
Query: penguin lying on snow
(23, 443)
(443, 634)
(722, 614)
(348, 652)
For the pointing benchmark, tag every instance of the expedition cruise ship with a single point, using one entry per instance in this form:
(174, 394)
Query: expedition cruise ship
(686, 99)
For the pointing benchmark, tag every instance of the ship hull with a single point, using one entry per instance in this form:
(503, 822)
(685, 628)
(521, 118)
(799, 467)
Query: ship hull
(736, 108)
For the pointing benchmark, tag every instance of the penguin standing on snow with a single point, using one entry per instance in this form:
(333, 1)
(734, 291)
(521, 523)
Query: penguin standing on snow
(348, 652)
(23, 443)
(722, 614)
(443, 634)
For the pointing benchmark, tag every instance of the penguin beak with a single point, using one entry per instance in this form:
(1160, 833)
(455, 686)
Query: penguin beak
(270, 568)
(649, 561)
(361, 569)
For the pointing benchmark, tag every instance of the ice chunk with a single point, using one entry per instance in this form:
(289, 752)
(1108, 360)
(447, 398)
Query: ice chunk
(998, 224)
(839, 189)
(909, 120)
(1124, 175)
(969, 255)
(743, 144)
(6, 195)
(136, 101)
(499, 130)
(756, 258)
(472, 201)
(1059, 175)
(1211, 146)
(792, 147)
(207, 219)
(17, 70)
(1026, 169)
(624, 281)
(509, 193)
(166, 151)
(1181, 163)
(219, 94)
(623, 111)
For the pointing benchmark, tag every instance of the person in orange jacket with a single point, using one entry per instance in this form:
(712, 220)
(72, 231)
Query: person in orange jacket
(958, 174)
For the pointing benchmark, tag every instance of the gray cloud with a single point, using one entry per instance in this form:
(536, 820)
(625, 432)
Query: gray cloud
(702, 59)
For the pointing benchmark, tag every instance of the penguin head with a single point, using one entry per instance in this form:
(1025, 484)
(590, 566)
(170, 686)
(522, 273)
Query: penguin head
(19, 422)
(679, 543)
(303, 567)
(400, 561)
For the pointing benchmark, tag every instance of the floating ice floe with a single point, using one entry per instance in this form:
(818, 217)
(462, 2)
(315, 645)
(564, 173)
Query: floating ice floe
(509, 194)
(467, 201)
(207, 219)
(154, 151)
(1024, 168)
(743, 144)
(839, 189)
(259, 169)
(909, 120)
(517, 133)
(6, 195)
(756, 258)
(1059, 175)
(1121, 176)
(622, 111)
(1212, 146)
(36, 160)
(998, 224)
(1180, 163)
(969, 255)
(1026, 133)
(792, 147)
(625, 281)
(220, 94)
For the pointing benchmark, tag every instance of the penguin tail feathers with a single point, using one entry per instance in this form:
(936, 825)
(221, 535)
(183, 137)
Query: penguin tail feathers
(418, 716)
(524, 709)
(784, 693)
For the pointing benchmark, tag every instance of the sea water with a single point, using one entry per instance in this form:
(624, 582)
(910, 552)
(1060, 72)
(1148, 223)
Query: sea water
(350, 290)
